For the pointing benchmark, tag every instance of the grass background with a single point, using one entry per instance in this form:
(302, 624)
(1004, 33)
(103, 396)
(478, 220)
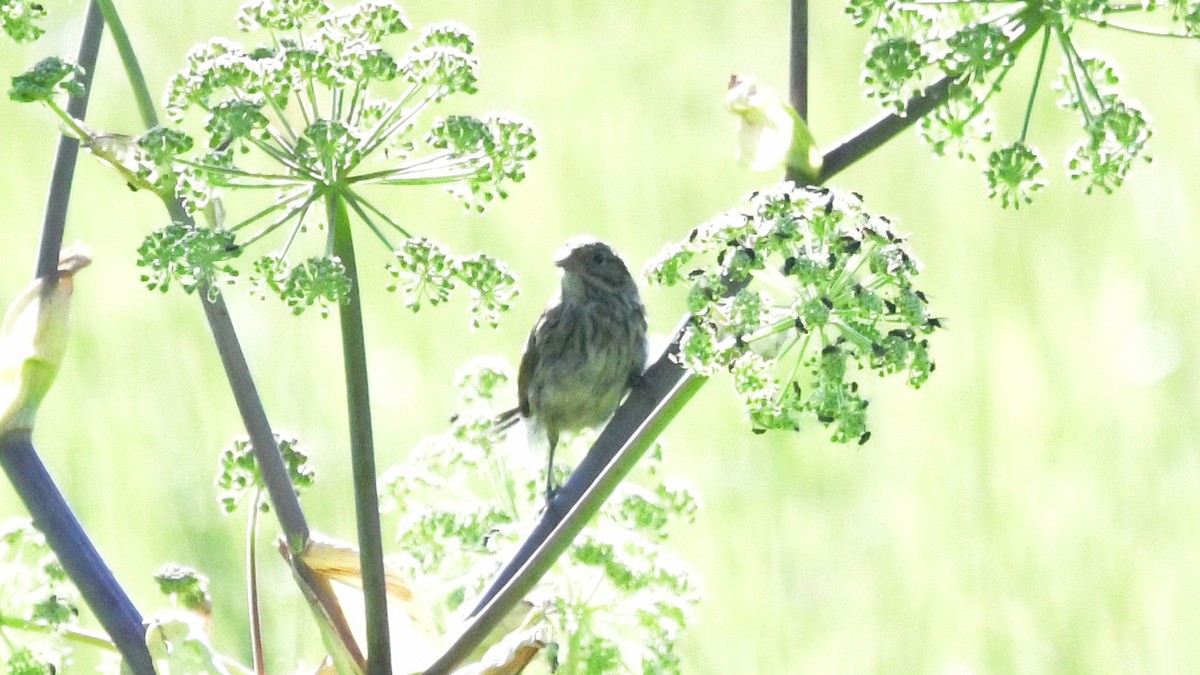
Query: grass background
(1032, 509)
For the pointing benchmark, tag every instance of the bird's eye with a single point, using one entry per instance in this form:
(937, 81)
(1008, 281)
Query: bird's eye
(597, 258)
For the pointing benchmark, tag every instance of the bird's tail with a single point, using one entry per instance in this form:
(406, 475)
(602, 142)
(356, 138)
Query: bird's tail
(505, 420)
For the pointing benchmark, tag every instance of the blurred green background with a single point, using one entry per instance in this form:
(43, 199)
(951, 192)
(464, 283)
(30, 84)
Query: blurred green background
(1033, 509)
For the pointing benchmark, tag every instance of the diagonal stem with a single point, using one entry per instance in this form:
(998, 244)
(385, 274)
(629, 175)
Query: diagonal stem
(254, 418)
(63, 174)
(1037, 80)
(870, 138)
(266, 450)
(79, 557)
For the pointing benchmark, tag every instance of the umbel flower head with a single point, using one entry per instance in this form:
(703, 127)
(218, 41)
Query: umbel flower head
(794, 294)
(974, 45)
(300, 118)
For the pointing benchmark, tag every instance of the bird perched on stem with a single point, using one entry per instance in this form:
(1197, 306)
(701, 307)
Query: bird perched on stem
(585, 352)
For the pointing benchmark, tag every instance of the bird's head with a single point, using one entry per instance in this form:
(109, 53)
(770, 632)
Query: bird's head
(593, 263)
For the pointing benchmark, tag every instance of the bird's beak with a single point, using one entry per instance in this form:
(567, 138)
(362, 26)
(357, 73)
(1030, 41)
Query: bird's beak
(563, 256)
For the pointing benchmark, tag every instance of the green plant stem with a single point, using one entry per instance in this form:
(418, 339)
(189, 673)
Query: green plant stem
(63, 174)
(256, 641)
(798, 70)
(1037, 80)
(69, 633)
(798, 75)
(254, 418)
(1080, 96)
(75, 551)
(355, 203)
(70, 124)
(95, 640)
(389, 124)
(298, 213)
(1137, 30)
(141, 93)
(362, 446)
(385, 218)
(1074, 58)
(282, 202)
(870, 138)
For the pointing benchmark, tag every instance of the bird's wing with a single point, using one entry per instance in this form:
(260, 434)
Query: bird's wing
(639, 363)
(528, 364)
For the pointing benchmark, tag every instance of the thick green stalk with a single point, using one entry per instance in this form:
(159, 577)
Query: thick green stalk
(362, 445)
(798, 73)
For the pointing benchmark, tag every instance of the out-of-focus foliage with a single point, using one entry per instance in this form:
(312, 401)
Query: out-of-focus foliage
(48, 79)
(187, 587)
(238, 476)
(36, 600)
(19, 19)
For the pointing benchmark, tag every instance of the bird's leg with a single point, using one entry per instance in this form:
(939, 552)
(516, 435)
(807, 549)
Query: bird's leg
(550, 489)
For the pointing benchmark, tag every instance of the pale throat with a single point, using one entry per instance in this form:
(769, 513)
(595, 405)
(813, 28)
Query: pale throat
(574, 287)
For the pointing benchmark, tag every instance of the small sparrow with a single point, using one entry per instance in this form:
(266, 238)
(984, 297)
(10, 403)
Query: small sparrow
(585, 352)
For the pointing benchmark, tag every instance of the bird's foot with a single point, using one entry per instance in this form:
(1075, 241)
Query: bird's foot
(551, 492)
